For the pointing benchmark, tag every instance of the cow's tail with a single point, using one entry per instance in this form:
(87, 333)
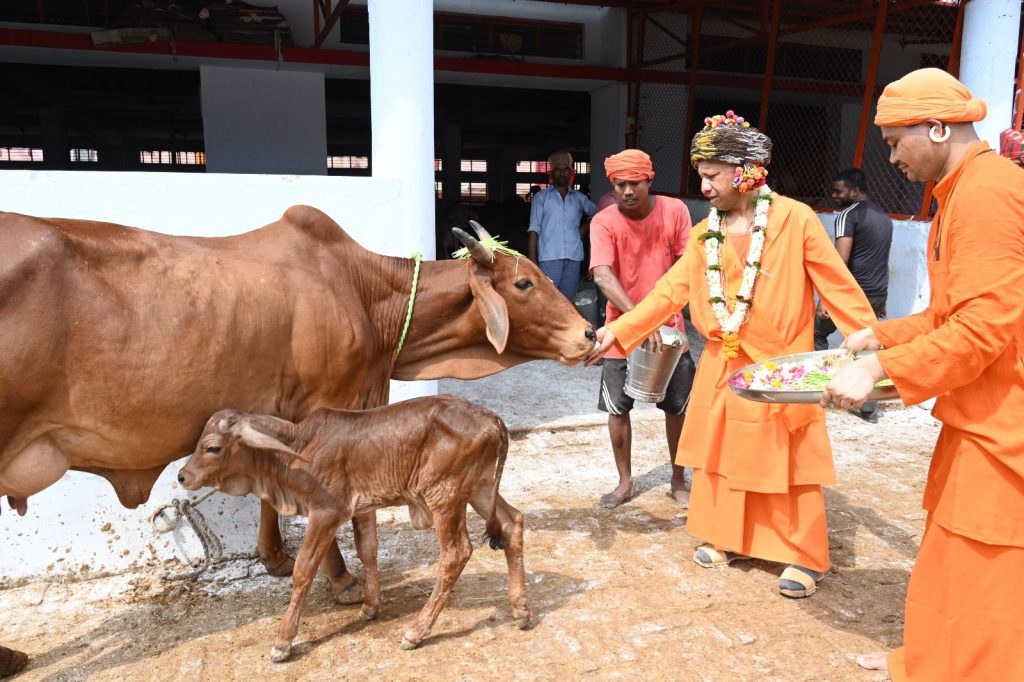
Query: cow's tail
(493, 525)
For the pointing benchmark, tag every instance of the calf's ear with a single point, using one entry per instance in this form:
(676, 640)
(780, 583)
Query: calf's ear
(492, 307)
(256, 439)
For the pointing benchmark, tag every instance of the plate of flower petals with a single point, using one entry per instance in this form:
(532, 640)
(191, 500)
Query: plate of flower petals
(799, 378)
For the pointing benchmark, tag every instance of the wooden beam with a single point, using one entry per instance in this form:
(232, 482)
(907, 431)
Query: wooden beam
(869, 83)
(769, 64)
(691, 99)
(331, 20)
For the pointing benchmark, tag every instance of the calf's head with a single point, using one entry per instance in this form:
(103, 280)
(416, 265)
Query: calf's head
(223, 458)
(524, 312)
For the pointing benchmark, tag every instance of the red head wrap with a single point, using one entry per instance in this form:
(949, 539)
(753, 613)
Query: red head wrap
(631, 165)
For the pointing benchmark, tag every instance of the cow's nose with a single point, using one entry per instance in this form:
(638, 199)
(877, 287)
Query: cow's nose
(590, 334)
(181, 478)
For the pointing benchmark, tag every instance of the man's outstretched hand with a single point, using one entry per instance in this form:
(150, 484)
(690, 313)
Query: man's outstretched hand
(605, 340)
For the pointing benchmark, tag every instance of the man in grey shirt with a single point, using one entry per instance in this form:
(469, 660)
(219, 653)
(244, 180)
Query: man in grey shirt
(863, 237)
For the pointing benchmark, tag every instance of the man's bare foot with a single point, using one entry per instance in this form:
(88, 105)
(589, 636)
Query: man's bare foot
(874, 661)
(681, 496)
(611, 500)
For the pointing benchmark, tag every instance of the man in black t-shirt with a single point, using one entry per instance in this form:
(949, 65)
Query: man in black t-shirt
(863, 237)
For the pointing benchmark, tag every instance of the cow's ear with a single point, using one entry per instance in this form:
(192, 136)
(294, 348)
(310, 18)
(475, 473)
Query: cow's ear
(249, 435)
(492, 307)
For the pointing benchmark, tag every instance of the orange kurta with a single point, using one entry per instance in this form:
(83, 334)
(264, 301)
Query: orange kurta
(758, 468)
(967, 348)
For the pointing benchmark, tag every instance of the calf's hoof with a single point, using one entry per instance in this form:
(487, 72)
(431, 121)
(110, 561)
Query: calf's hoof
(11, 661)
(412, 639)
(522, 621)
(279, 566)
(348, 592)
(278, 655)
(368, 612)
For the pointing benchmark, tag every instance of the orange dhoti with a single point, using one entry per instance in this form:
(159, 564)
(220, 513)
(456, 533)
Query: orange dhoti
(965, 612)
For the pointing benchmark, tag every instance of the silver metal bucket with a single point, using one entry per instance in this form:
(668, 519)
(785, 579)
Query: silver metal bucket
(648, 373)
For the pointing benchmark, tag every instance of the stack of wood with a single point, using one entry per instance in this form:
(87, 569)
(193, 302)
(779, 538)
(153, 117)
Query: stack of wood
(224, 21)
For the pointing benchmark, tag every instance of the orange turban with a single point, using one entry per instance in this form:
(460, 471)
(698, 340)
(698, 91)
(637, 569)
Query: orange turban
(927, 94)
(631, 165)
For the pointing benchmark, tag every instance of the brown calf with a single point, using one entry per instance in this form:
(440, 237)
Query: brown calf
(433, 454)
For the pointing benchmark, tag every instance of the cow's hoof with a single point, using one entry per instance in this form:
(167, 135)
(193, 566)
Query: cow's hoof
(279, 567)
(351, 593)
(11, 661)
(368, 612)
(279, 655)
(522, 622)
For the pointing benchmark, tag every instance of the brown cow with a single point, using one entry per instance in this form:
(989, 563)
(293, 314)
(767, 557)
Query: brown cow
(433, 454)
(116, 343)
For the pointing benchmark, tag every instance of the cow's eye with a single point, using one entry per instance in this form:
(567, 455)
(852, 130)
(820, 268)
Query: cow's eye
(213, 449)
(524, 284)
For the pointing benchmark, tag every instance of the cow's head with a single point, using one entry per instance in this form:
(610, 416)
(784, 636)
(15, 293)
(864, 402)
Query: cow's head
(525, 315)
(223, 457)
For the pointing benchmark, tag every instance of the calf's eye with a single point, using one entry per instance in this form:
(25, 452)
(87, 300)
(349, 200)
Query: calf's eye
(213, 449)
(524, 284)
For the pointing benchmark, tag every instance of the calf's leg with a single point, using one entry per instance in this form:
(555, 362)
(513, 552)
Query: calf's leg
(453, 536)
(511, 520)
(320, 535)
(364, 528)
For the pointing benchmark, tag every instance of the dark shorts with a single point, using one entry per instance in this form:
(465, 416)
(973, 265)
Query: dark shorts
(613, 399)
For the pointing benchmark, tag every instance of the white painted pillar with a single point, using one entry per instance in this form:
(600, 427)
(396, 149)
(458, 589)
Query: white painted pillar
(402, 122)
(988, 61)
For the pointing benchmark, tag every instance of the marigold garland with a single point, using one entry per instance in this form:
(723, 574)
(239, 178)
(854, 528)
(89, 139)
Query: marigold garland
(730, 321)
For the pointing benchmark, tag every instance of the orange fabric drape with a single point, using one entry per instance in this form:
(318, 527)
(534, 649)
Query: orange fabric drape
(766, 461)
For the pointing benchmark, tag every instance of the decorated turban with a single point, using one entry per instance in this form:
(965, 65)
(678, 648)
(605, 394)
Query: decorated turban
(631, 165)
(729, 139)
(927, 94)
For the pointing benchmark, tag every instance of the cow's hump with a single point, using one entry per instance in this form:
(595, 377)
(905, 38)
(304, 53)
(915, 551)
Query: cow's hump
(314, 223)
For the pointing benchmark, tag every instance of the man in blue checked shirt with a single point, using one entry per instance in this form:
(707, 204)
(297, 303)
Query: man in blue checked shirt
(557, 226)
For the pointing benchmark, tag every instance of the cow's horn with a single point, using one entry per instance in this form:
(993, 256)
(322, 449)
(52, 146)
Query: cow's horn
(481, 233)
(476, 249)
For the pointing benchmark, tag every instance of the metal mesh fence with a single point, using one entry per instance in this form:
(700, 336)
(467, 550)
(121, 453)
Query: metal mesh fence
(813, 65)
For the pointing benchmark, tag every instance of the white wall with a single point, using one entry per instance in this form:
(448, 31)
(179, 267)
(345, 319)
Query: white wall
(78, 522)
(258, 120)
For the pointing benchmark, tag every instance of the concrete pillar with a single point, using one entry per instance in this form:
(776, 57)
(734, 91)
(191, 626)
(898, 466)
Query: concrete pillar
(989, 59)
(262, 121)
(402, 120)
(402, 112)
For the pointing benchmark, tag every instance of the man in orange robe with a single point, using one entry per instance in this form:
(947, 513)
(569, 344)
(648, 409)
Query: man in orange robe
(965, 602)
(758, 468)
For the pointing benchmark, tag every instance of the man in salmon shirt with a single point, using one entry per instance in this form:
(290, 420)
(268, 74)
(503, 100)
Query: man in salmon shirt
(632, 244)
(965, 602)
(758, 468)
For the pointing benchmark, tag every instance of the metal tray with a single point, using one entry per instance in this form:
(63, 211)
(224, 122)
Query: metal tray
(801, 397)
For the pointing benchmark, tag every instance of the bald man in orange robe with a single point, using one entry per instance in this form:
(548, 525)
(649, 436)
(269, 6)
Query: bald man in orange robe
(965, 602)
(758, 469)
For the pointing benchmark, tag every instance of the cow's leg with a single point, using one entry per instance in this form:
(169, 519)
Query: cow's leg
(320, 534)
(456, 549)
(11, 661)
(364, 527)
(269, 545)
(512, 540)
